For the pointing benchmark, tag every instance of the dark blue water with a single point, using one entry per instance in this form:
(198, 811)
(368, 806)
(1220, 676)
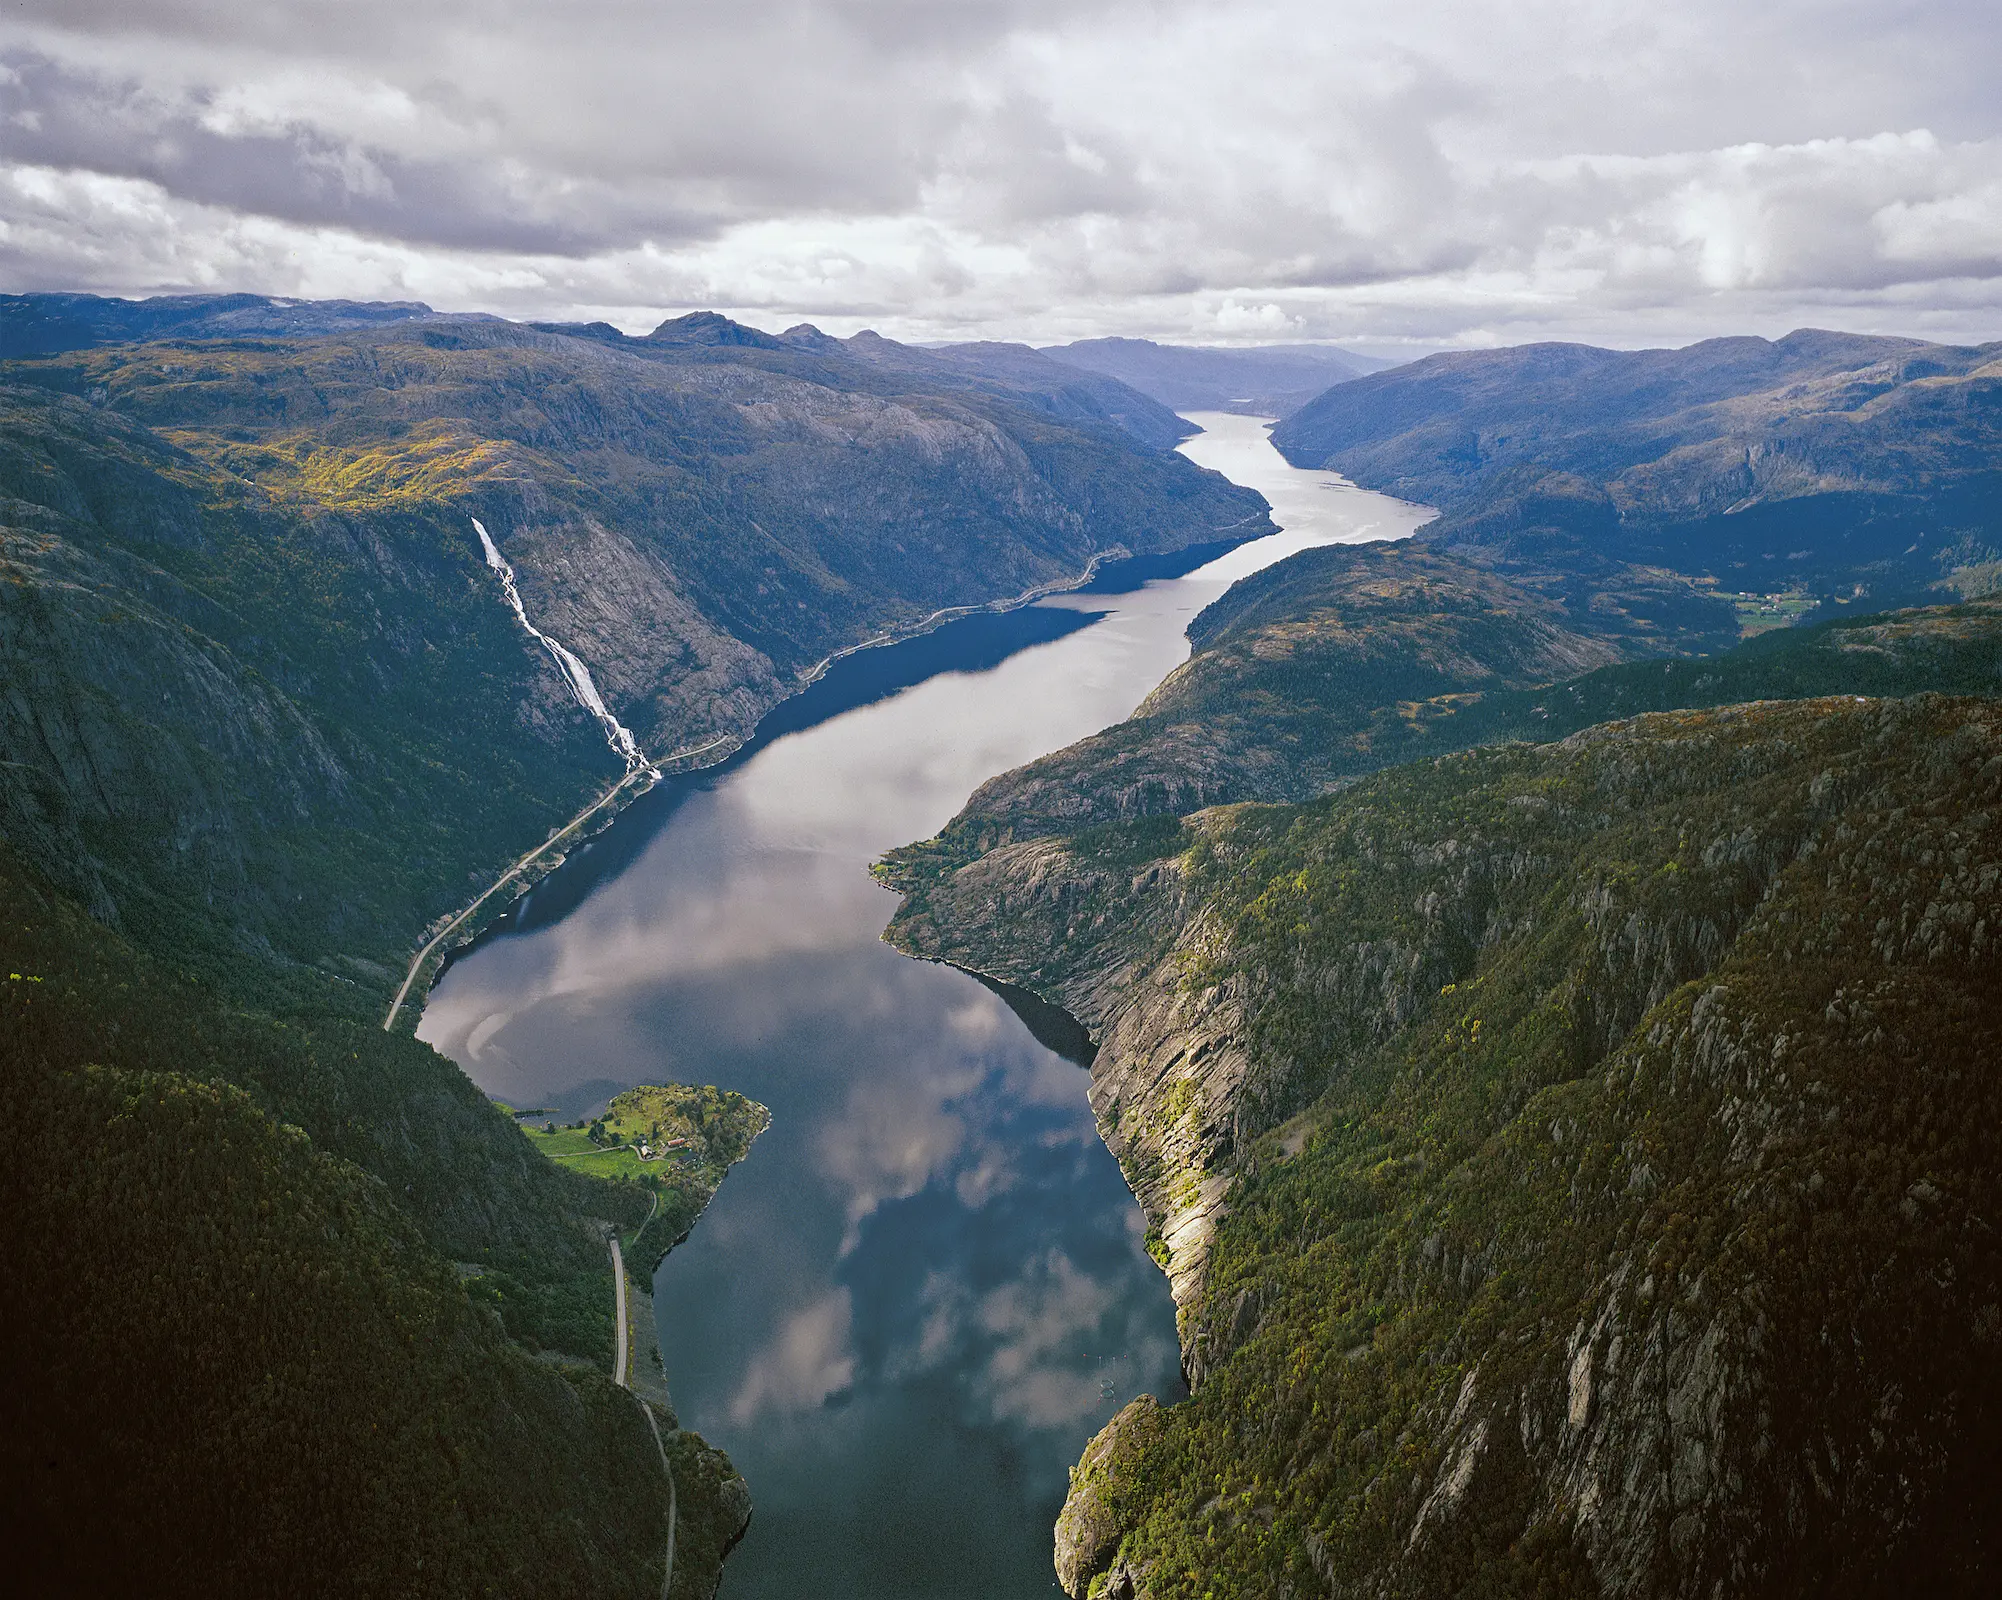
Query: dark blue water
(907, 1312)
(966, 644)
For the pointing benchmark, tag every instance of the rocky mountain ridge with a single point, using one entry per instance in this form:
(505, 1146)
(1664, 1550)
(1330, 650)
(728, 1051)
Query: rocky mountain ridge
(1512, 1131)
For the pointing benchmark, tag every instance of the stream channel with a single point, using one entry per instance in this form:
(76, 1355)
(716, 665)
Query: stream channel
(906, 1313)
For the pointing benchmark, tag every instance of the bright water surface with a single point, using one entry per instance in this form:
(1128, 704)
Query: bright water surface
(911, 1307)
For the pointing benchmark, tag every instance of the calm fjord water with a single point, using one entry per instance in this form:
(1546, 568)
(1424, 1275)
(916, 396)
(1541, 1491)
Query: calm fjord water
(905, 1314)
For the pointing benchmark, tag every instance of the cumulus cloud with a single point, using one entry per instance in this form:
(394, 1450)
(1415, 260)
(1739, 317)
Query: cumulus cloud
(890, 1141)
(807, 1359)
(1031, 1376)
(1281, 169)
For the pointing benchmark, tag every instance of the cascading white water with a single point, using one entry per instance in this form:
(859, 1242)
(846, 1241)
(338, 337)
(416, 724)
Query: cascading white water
(575, 673)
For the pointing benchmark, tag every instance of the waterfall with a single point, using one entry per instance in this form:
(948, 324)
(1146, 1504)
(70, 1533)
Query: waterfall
(575, 673)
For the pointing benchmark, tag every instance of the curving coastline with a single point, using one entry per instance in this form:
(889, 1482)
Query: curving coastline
(450, 934)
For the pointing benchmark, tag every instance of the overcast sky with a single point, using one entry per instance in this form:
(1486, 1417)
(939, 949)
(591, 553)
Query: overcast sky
(1425, 171)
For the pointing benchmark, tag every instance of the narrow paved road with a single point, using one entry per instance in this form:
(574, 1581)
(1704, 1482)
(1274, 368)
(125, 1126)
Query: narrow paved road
(561, 835)
(621, 1353)
(621, 1371)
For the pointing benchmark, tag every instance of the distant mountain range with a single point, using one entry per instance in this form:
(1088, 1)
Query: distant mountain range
(48, 324)
(1259, 380)
(1842, 465)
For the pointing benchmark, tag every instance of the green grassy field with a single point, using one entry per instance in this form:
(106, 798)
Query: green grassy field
(693, 1136)
(572, 1147)
(1761, 613)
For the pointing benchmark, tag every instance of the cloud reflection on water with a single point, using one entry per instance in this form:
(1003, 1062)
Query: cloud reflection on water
(908, 1310)
(807, 1360)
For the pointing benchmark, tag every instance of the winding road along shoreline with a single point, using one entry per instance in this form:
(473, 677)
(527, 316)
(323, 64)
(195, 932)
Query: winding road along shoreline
(524, 862)
(621, 1355)
(650, 769)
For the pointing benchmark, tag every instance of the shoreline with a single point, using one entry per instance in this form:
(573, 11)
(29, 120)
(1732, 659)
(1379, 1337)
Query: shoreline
(446, 937)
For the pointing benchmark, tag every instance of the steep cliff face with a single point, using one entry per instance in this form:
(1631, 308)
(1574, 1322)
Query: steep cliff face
(1068, 876)
(243, 735)
(1573, 1161)
(1101, 926)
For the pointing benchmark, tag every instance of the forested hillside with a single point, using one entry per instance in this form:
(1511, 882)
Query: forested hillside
(292, 1305)
(1572, 1161)
(1345, 660)
(240, 1338)
(262, 687)
(1546, 1144)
